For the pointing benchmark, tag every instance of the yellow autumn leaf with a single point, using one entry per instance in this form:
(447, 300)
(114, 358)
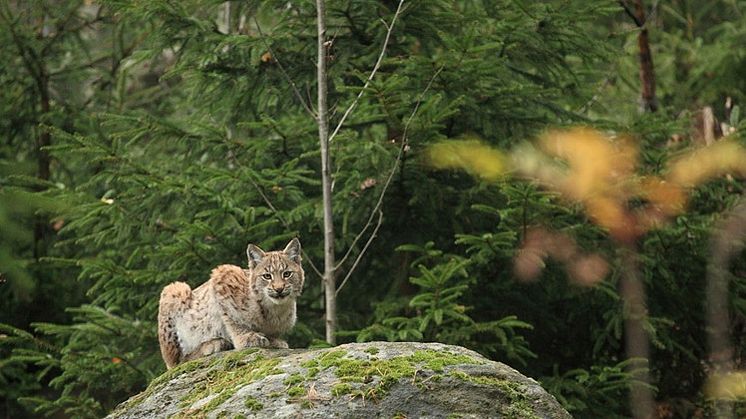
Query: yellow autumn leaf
(727, 386)
(473, 156)
(669, 197)
(704, 163)
(596, 162)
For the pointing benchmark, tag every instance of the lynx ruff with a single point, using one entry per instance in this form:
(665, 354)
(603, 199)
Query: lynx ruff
(235, 308)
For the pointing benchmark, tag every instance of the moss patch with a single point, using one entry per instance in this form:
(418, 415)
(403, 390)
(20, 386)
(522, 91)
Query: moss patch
(376, 376)
(372, 350)
(330, 358)
(518, 406)
(253, 404)
(225, 377)
(293, 379)
(341, 388)
(437, 360)
(312, 372)
(158, 382)
(296, 391)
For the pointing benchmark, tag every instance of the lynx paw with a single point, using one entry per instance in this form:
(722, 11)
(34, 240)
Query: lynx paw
(207, 348)
(278, 343)
(252, 339)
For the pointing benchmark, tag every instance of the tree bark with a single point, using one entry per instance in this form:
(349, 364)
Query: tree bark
(326, 182)
(637, 345)
(727, 242)
(649, 101)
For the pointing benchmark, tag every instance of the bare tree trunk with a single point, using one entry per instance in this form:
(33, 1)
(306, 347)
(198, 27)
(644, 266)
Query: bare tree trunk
(637, 345)
(647, 73)
(727, 242)
(649, 102)
(326, 182)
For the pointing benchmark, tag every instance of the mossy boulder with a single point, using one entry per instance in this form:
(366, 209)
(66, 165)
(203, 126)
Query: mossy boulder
(378, 379)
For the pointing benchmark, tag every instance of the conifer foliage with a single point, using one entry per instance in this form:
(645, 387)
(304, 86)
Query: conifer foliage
(149, 141)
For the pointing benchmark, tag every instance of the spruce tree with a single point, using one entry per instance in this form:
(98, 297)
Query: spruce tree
(196, 133)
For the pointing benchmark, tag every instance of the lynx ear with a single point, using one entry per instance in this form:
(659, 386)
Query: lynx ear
(255, 255)
(292, 250)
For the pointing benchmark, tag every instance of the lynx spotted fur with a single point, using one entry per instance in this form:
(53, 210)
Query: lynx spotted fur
(235, 308)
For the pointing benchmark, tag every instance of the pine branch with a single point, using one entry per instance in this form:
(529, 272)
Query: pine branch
(283, 71)
(285, 224)
(272, 207)
(389, 29)
(379, 203)
(61, 28)
(362, 252)
(7, 16)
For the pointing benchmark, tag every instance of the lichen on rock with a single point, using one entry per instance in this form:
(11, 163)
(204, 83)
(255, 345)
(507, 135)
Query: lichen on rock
(379, 379)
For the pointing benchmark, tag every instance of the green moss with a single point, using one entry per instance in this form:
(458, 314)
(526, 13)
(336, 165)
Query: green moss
(372, 350)
(330, 358)
(180, 369)
(519, 406)
(239, 417)
(378, 375)
(253, 404)
(312, 372)
(293, 379)
(158, 382)
(306, 404)
(226, 376)
(217, 400)
(311, 363)
(274, 395)
(340, 389)
(296, 391)
(437, 360)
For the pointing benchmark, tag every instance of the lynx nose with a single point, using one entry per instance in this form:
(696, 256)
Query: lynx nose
(278, 288)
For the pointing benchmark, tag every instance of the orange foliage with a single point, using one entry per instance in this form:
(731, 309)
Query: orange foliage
(539, 244)
(599, 172)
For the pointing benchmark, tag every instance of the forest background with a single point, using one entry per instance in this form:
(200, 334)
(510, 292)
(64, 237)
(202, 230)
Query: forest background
(148, 141)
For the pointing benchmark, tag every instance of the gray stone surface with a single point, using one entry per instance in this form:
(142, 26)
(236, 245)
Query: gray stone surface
(359, 380)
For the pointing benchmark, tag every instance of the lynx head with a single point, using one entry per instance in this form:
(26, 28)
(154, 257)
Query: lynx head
(277, 275)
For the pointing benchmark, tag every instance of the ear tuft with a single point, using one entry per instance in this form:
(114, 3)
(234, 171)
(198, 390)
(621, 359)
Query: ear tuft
(255, 255)
(292, 250)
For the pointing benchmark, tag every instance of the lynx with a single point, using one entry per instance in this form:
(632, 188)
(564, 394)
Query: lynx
(235, 308)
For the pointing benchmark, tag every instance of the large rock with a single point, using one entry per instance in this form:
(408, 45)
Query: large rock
(359, 380)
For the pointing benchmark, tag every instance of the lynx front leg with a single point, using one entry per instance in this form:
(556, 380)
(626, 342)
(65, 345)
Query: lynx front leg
(207, 348)
(175, 299)
(243, 337)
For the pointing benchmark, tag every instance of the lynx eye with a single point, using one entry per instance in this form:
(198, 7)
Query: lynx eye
(287, 274)
(267, 276)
